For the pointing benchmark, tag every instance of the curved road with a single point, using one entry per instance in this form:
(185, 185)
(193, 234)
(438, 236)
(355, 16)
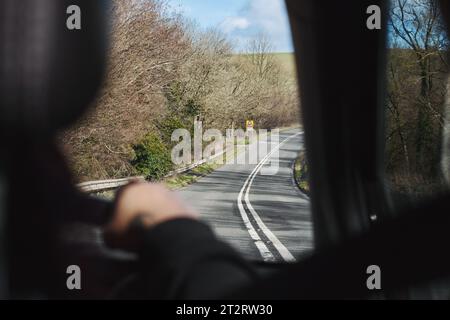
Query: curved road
(265, 217)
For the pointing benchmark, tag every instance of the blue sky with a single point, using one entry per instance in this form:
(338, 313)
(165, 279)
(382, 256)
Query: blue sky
(241, 19)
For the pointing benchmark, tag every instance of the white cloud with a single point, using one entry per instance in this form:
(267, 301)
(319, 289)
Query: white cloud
(235, 23)
(261, 16)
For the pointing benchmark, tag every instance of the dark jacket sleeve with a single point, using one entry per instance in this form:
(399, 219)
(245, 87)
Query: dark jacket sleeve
(183, 259)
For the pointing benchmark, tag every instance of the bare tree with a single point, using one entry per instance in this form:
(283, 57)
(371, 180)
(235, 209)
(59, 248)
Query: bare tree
(148, 47)
(417, 25)
(260, 54)
(163, 71)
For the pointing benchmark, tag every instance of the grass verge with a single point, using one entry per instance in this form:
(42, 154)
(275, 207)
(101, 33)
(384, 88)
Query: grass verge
(185, 179)
(301, 173)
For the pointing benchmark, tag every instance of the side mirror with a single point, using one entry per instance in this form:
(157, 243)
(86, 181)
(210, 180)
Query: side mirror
(52, 61)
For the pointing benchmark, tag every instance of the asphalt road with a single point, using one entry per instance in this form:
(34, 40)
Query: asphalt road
(265, 217)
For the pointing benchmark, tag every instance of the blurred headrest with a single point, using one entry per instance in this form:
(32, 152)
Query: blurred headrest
(445, 8)
(52, 60)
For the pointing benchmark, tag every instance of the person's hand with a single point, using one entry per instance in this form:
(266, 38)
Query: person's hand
(147, 204)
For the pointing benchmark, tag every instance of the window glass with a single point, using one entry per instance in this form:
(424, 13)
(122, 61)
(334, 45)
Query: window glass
(202, 96)
(417, 160)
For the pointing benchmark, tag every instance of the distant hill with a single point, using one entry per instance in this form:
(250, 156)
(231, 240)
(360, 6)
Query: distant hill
(287, 63)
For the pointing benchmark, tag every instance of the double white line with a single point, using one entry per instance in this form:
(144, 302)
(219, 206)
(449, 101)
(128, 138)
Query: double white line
(266, 254)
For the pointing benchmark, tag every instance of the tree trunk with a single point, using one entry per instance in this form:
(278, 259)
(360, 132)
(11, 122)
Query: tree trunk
(446, 142)
(423, 117)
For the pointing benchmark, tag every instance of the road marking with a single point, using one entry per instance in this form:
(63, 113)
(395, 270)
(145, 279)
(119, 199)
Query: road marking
(264, 251)
(262, 247)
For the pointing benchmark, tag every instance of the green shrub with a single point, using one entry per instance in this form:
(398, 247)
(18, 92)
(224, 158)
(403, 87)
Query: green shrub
(167, 126)
(301, 173)
(192, 108)
(152, 158)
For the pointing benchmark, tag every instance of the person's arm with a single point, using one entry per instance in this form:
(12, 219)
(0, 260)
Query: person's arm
(180, 257)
